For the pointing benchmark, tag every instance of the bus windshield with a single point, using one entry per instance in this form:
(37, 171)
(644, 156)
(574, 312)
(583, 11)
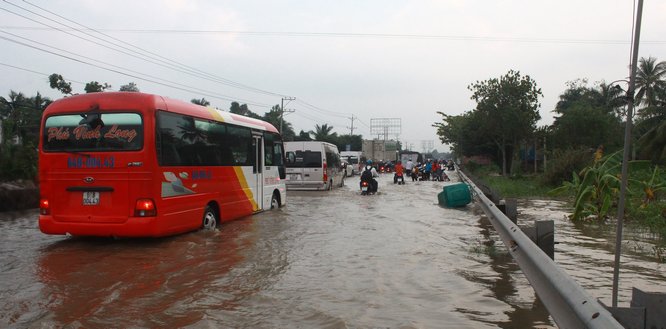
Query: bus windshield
(93, 131)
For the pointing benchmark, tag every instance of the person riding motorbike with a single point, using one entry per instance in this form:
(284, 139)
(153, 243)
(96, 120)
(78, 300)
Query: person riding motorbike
(398, 178)
(368, 175)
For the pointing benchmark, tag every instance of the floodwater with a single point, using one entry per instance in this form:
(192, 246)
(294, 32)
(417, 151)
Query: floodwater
(327, 260)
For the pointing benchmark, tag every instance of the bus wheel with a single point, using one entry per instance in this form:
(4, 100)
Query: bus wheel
(209, 221)
(275, 201)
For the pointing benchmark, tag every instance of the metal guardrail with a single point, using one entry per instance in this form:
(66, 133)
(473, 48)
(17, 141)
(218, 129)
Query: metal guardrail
(567, 302)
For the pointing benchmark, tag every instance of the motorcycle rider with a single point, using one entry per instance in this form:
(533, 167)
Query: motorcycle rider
(368, 175)
(399, 173)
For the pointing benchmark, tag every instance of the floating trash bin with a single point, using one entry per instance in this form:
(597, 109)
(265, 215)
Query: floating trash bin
(455, 195)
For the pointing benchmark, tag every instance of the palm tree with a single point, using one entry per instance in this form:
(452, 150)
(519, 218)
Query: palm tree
(11, 115)
(322, 133)
(202, 101)
(651, 123)
(652, 145)
(611, 98)
(650, 78)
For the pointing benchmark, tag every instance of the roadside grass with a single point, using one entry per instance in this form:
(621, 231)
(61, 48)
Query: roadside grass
(527, 187)
(650, 216)
(518, 186)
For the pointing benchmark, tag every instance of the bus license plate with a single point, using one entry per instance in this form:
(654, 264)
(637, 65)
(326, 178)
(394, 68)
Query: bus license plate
(90, 198)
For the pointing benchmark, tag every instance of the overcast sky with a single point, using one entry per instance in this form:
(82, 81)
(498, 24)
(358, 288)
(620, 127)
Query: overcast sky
(370, 59)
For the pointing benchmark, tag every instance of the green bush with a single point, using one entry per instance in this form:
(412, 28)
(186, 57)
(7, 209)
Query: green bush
(565, 162)
(18, 162)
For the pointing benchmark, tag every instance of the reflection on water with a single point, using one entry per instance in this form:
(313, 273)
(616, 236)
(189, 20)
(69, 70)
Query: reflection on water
(328, 260)
(147, 283)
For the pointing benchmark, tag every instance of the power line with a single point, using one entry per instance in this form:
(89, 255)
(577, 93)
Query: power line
(323, 111)
(32, 71)
(370, 35)
(208, 93)
(145, 56)
(131, 53)
(124, 73)
(236, 84)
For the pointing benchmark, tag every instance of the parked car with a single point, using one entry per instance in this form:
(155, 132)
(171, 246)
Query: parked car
(313, 165)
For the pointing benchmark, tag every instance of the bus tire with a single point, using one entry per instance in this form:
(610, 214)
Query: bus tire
(209, 221)
(275, 200)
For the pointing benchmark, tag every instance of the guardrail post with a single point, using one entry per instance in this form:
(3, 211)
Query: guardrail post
(566, 301)
(543, 235)
(510, 208)
(647, 310)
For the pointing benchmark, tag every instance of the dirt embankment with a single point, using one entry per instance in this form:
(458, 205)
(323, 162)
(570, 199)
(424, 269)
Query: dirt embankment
(18, 195)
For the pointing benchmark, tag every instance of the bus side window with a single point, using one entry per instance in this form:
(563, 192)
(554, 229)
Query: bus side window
(170, 156)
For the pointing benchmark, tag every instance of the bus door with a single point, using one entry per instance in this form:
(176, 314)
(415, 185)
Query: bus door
(256, 182)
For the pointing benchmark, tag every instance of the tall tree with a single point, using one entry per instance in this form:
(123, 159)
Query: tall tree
(303, 136)
(274, 117)
(611, 98)
(652, 145)
(587, 125)
(650, 79)
(323, 133)
(589, 117)
(57, 82)
(509, 108)
(462, 133)
(202, 101)
(20, 116)
(10, 113)
(129, 87)
(96, 87)
(355, 142)
(651, 119)
(237, 108)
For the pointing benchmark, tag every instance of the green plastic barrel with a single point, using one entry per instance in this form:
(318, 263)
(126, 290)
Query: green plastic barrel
(455, 195)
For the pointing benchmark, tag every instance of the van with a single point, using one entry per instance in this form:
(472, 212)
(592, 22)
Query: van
(355, 159)
(313, 165)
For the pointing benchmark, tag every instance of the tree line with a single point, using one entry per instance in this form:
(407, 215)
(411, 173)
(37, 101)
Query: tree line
(584, 144)
(588, 118)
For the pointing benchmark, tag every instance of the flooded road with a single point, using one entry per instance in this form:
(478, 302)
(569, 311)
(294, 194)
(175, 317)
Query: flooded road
(326, 260)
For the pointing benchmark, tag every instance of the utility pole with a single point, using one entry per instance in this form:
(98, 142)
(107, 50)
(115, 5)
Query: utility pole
(626, 153)
(352, 125)
(289, 99)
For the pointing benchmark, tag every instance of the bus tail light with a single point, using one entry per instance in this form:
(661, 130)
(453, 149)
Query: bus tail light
(44, 207)
(145, 208)
(325, 174)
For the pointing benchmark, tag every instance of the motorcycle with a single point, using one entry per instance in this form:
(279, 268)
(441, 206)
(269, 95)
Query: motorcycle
(367, 188)
(398, 179)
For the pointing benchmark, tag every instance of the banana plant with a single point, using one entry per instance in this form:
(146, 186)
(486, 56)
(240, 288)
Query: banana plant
(650, 187)
(598, 188)
(570, 188)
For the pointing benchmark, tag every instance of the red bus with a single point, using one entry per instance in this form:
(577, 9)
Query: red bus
(127, 164)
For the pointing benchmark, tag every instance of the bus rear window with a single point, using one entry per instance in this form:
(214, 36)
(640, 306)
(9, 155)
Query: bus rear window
(303, 159)
(93, 131)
